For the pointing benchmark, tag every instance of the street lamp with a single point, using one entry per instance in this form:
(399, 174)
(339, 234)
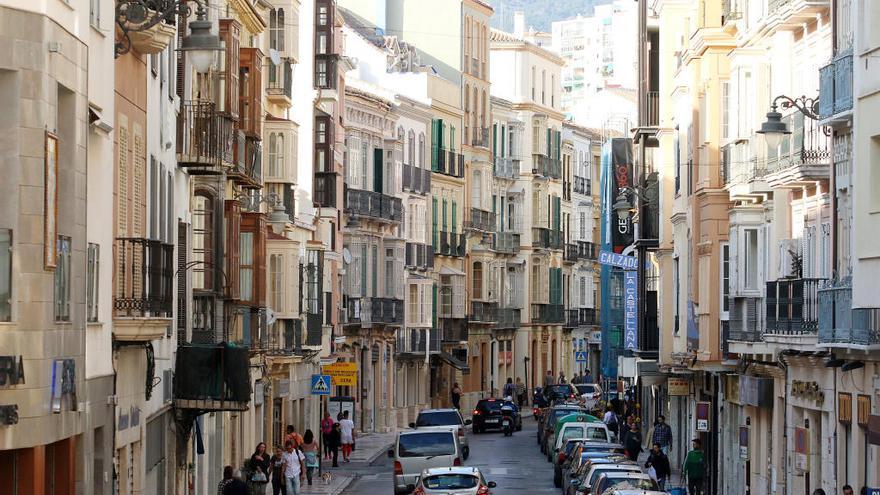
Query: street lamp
(774, 128)
(278, 219)
(142, 15)
(622, 206)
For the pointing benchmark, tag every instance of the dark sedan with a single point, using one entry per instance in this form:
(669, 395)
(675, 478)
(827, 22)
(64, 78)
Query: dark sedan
(487, 415)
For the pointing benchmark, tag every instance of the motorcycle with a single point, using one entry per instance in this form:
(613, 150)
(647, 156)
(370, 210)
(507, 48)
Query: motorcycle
(507, 420)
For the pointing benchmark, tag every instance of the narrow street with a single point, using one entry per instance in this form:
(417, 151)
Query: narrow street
(515, 463)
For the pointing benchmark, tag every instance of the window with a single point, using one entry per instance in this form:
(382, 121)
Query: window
(725, 280)
(725, 110)
(477, 291)
(676, 283)
(477, 189)
(275, 282)
(203, 242)
(533, 83)
(92, 273)
(62, 280)
(246, 266)
(389, 273)
(5, 275)
(543, 86)
(321, 43)
(276, 154)
(95, 13)
(374, 270)
(411, 148)
(582, 225)
(413, 304)
(422, 150)
(276, 29)
(751, 259)
(446, 295)
(322, 15)
(321, 73)
(553, 91)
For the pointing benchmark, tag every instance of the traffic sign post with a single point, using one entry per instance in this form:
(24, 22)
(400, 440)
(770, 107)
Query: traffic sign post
(321, 384)
(580, 356)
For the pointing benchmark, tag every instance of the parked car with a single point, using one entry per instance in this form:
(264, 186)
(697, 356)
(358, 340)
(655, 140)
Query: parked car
(487, 415)
(584, 462)
(445, 417)
(563, 458)
(553, 415)
(560, 391)
(584, 483)
(457, 480)
(591, 430)
(417, 450)
(617, 483)
(591, 393)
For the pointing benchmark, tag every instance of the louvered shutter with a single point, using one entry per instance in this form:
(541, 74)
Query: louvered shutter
(443, 212)
(434, 306)
(454, 217)
(544, 275)
(503, 139)
(434, 233)
(494, 143)
(353, 273)
(182, 295)
(122, 179)
(138, 179)
(549, 142)
(557, 212)
(458, 296)
(398, 269)
(181, 57)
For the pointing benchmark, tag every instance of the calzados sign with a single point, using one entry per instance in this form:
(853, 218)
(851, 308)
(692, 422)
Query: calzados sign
(618, 260)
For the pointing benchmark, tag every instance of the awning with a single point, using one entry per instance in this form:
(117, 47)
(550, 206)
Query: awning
(451, 360)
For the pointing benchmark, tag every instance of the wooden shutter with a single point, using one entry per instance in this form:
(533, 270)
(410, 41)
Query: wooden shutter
(557, 212)
(434, 233)
(398, 269)
(458, 296)
(182, 294)
(549, 142)
(435, 144)
(227, 76)
(250, 62)
(233, 230)
(844, 407)
(138, 179)
(494, 143)
(181, 57)
(443, 212)
(377, 170)
(122, 178)
(454, 217)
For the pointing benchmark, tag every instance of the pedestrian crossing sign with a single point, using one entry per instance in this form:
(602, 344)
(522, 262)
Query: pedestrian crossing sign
(320, 384)
(580, 356)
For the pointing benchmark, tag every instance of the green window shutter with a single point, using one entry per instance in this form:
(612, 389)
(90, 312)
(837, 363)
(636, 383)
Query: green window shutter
(451, 138)
(434, 306)
(552, 276)
(435, 144)
(440, 131)
(549, 142)
(557, 212)
(503, 140)
(434, 235)
(377, 169)
(501, 224)
(494, 140)
(454, 216)
(558, 144)
(443, 212)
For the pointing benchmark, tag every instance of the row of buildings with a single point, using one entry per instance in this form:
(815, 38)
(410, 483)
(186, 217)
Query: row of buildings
(769, 337)
(226, 195)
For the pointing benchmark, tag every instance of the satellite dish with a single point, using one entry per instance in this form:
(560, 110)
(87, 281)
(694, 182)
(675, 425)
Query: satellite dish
(274, 56)
(270, 316)
(346, 256)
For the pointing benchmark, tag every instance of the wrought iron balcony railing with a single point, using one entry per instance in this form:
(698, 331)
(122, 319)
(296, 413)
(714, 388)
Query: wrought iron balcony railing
(480, 220)
(416, 179)
(369, 310)
(836, 86)
(546, 238)
(545, 166)
(204, 138)
(484, 312)
(506, 167)
(841, 325)
(454, 329)
(582, 185)
(581, 317)
(415, 341)
(247, 170)
(509, 318)
(212, 377)
(143, 274)
(792, 306)
(506, 242)
(451, 244)
(373, 205)
(547, 313)
(447, 162)
(480, 137)
(419, 256)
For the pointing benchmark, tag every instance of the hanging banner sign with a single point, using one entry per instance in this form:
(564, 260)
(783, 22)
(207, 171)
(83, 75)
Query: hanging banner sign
(630, 309)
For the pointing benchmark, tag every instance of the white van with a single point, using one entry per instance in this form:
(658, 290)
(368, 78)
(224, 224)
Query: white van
(417, 450)
(592, 432)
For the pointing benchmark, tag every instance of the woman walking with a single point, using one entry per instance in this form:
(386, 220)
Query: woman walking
(346, 428)
(276, 468)
(259, 465)
(455, 395)
(311, 450)
(326, 429)
(334, 440)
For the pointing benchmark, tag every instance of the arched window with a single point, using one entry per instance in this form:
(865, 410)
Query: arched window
(477, 189)
(422, 149)
(411, 148)
(477, 291)
(276, 154)
(203, 241)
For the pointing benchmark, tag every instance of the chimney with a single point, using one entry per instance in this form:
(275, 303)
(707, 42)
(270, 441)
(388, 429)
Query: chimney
(519, 23)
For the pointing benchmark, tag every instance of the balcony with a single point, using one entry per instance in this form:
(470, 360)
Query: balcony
(581, 317)
(417, 180)
(841, 325)
(480, 220)
(419, 256)
(153, 39)
(804, 157)
(480, 137)
(651, 116)
(370, 310)
(582, 185)
(373, 205)
(745, 319)
(547, 314)
(483, 312)
(509, 318)
(792, 306)
(415, 341)
(546, 167)
(543, 238)
(506, 167)
(143, 297)
(204, 138)
(731, 10)
(836, 89)
(790, 14)
(247, 171)
(447, 162)
(454, 329)
(325, 189)
(279, 89)
(451, 244)
(580, 250)
(212, 377)
(506, 242)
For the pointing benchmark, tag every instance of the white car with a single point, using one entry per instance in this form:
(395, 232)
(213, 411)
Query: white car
(429, 418)
(619, 483)
(591, 393)
(586, 482)
(417, 450)
(452, 480)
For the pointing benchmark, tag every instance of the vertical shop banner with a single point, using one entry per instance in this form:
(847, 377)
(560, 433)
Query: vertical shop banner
(631, 309)
(621, 178)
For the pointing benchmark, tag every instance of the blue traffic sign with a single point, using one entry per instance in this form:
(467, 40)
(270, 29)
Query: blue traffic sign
(320, 384)
(580, 356)
(618, 260)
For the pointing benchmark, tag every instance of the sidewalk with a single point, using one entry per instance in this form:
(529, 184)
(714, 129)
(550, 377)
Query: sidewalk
(369, 447)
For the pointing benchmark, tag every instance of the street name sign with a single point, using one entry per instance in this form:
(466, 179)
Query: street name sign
(619, 260)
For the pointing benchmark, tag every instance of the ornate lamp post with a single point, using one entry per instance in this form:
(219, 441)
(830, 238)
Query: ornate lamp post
(774, 128)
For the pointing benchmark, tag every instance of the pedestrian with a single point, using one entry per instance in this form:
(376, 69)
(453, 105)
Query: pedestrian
(259, 466)
(561, 378)
(235, 486)
(587, 378)
(455, 394)
(848, 490)
(509, 388)
(334, 439)
(294, 469)
(662, 434)
(548, 379)
(611, 420)
(658, 460)
(818, 491)
(633, 442)
(694, 468)
(276, 468)
(311, 450)
(227, 479)
(293, 436)
(346, 428)
(520, 392)
(326, 428)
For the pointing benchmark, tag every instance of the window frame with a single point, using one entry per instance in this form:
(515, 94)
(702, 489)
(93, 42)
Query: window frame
(62, 279)
(93, 266)
(6, 250)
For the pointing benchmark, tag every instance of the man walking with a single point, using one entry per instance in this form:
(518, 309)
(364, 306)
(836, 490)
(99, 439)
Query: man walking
(294, 468)
(662, 434)
(633, 442)
(695, 468)
(509, 389)
(520, 392)
(587, 378)
(658, 460)
(548, 379)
